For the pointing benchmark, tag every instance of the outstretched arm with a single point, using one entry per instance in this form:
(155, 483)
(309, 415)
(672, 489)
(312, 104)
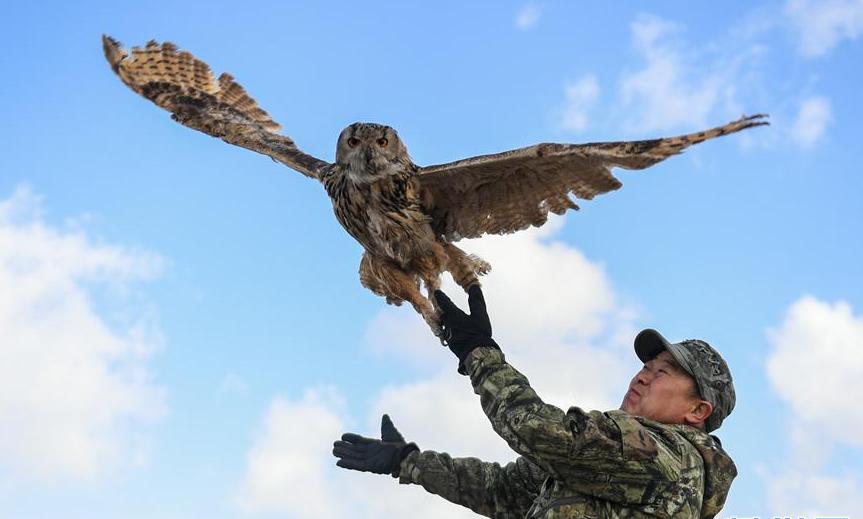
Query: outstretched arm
(485, 488)
(488, 489)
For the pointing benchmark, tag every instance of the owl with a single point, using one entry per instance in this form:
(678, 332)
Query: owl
(406, 217)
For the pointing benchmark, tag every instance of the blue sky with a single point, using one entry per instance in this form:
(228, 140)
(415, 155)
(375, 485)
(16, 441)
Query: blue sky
(182, 330)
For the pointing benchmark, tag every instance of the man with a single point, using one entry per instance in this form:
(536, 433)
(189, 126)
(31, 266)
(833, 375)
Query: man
(651, 458)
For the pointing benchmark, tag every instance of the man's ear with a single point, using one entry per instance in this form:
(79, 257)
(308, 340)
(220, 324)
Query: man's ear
(698, 414)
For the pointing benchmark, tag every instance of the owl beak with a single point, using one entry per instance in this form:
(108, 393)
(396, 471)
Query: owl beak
(368, 154)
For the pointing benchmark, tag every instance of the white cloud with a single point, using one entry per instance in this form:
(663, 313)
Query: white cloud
(75, 389)
(528, 16)
(817, 355)
(822, 24)
(800, 493)
(811, 122)
(816, 365)
(540, 288)
(556, 318)
(580, 96)
(289, 466)
(441, 413)
(666, 93)
(291, 472)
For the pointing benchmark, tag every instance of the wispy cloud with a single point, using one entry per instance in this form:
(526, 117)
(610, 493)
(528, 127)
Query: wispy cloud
(812, 119)
(580, 95)
(76, 388)
(528, 16)
(822, 24)
(665, 94)
(676, 86)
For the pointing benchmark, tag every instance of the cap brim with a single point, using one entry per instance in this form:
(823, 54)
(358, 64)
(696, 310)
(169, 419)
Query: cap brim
(649, 343)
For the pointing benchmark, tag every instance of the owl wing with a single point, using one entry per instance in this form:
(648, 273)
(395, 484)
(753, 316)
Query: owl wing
(184, 85)
(510, 191)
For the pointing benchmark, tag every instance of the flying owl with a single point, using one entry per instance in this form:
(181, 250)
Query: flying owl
(405, 216)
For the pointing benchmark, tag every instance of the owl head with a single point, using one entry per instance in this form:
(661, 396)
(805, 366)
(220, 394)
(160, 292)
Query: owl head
(370, 151)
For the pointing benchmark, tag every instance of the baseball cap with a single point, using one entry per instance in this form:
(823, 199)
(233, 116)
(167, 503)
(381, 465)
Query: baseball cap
(702, 362)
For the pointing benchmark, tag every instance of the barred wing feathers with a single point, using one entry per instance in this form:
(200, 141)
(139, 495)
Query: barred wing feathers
(510, 191)
(184, 85)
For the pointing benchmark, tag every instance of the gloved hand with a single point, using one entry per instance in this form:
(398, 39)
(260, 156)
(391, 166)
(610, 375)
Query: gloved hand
(382, 456)
(461, 332)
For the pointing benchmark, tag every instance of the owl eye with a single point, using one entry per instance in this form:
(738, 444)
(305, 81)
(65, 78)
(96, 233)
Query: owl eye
(353, 141)
(382, 142)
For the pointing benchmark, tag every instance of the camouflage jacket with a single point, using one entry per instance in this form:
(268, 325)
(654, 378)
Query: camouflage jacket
(575, 464)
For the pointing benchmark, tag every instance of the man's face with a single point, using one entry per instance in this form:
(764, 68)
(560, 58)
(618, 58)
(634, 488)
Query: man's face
(661, 391)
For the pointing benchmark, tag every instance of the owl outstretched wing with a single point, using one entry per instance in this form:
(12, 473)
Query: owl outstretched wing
(184, 85)
(510, 191)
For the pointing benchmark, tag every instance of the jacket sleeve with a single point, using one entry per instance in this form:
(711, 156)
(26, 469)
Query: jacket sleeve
(501, 492)
(611, 455)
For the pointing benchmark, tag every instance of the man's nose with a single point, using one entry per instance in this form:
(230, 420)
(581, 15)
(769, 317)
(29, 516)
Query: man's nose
(644, 377)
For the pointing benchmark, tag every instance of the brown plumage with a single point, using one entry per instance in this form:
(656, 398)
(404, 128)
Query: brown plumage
(405, 216)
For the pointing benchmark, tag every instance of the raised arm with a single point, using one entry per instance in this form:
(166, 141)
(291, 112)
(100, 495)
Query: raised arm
(592, 452)
(539, 431)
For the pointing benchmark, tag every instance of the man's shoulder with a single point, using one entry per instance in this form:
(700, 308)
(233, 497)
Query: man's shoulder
(640, 439)
(681, 446)
(685, 437)
(635, 425)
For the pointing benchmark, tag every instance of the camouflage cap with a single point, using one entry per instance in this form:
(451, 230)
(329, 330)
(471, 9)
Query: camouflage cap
(700, 360)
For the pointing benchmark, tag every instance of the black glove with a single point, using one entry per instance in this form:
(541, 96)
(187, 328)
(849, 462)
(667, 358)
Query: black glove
(461, 332)
(382, 456)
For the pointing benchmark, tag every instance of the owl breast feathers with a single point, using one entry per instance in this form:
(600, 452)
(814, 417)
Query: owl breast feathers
(405, 216)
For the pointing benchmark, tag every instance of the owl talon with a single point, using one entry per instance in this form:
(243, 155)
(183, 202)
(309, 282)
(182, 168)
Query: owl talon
(436, 330)
(434, 324)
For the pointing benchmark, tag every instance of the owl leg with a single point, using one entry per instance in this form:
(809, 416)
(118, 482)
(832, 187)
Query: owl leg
(433, 283)
(386, 278)
(370, 278)
(429, 267)
(465, 268)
